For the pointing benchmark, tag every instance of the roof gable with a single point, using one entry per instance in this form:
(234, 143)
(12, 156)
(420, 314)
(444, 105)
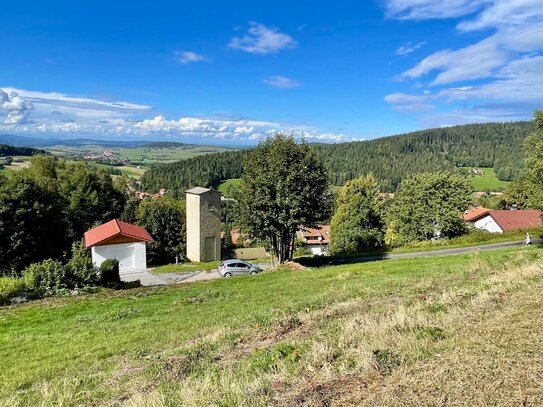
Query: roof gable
(100, 235)
(475, 213)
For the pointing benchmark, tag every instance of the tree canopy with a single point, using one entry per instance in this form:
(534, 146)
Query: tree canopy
(44, 208)
(284, 186)
(429, 205)
(164, 219)
(357, 223)
(527, 190)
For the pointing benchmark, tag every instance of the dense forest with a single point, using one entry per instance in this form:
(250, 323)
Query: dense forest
(6, 150)
(390, 159)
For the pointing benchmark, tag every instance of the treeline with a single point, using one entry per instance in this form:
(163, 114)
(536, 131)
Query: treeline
(390, 159)
(206, 170)
(6, 150)
(47, 207)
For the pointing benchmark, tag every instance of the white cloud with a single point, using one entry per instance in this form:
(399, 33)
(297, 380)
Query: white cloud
(518, 26)
(15, 106)
(187, 57)
(409, 48)
(429, 9)
(512, 94)
(519, 81)
(459, 65)
(498, 77)
(409, 103)
(505, 13)
(63, 115)
(282, 82)
(262, 40)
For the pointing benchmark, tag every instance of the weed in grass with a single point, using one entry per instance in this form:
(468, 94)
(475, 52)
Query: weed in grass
(432, 332)
(386, 360)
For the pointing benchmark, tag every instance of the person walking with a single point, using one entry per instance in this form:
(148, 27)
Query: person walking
(527, 239)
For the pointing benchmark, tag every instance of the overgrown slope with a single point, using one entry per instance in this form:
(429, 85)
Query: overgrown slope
(497, 145)
(343, 335)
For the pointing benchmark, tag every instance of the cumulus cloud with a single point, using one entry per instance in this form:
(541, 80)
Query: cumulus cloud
(409, 48)
(281, 82)
(262, 40)
(16, 107)
(64, 115)
(187, 57)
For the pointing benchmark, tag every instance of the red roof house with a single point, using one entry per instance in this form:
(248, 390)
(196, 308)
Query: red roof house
(504, 220)
(121, 241)
(316, 239)
(475, 213)
(115, 232)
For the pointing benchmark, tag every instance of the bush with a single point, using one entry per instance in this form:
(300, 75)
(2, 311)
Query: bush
(81, 267)
(9, 288)
(46, 278)
(109, 272)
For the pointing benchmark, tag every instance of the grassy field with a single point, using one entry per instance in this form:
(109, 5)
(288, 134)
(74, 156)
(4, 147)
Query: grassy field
(147, 155)
(19, 163)
(488, 181)
(226, 185)
(186, 267)
(456, 330)
(125, 169)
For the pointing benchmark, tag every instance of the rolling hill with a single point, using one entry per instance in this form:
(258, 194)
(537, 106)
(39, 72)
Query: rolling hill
(491, 145)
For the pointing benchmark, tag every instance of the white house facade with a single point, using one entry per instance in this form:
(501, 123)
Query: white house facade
(131, 256)
(487, 223)
(121, 241)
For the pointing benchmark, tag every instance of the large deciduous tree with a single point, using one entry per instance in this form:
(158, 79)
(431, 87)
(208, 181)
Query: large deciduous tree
(164, 219)
(527, 191)
(357, 223)
(429, 205)
(32, 224)
(46, 207)
(284, 186)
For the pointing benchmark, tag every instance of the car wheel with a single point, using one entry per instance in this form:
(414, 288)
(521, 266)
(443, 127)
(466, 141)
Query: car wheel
(253, 272)
(227, 275)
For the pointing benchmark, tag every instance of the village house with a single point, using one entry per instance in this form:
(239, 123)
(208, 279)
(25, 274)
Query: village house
(121, 241)
(499, 221)
(315, 239)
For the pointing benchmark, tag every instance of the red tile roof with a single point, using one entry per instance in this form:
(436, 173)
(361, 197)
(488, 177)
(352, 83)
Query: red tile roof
(511, 220)
(475, 213)
(319, 235)
(116, 228)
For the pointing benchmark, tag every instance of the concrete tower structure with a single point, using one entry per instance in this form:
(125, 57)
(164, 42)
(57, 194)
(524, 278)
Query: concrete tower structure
(203, 224)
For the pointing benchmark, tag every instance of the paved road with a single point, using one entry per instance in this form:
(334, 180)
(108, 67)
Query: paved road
(148, 278)
(433, 253)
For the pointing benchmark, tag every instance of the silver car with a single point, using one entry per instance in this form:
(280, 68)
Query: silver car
(229, 268)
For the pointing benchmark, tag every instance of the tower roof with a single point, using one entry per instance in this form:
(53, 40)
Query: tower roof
(197, 191)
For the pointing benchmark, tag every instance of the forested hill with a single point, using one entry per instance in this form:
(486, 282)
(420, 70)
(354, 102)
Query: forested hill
(6, 150)
(497, 145)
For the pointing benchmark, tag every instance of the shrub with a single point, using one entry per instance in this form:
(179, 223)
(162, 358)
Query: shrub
(80, 265)
(9, 288)
(109, 272)
(46, 278)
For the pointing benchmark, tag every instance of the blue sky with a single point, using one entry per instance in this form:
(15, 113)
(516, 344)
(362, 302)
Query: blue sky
(219, 72)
